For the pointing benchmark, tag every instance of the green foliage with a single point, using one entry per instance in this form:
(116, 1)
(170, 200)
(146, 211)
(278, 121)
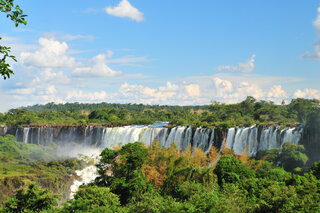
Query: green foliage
(315, 170)
(292, 156)
(245, 113)
(154, 202)
(127, 179)
(134, 178)
(93, 199)
(15, 13)
(231, 170)
(33, 199)
(311, 135)
(22, 163)
(201, 197)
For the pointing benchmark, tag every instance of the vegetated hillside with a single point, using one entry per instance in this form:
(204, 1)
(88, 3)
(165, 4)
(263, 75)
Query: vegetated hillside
(245, 113)
(22, 163)
(78, 107)
(139, 179)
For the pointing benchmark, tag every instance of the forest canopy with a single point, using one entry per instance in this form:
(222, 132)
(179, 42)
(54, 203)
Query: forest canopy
(245, 113)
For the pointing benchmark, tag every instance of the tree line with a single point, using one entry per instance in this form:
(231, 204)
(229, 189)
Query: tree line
(246, 113)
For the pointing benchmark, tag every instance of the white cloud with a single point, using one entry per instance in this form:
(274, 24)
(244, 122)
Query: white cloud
(24, 91)
(80, 95)
(51, 53)
(128, 60)
(99, 69)
(316, 53)
(246, 89)
(307, 93)
(125, 10)
(48, 75)
(109, 53)
(277, 94)
(223, 87)
(227, 92)
(244, 67)
(168, 94)
(192, 89)
(51, 89)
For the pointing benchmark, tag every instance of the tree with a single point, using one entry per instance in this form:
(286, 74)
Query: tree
(93, 199)
(292, 156)
(33, 199)
(127, 179)
(15, 13)
(231, 170)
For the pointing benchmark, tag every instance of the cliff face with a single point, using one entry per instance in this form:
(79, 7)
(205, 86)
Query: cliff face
(238, 139)
(311, 137)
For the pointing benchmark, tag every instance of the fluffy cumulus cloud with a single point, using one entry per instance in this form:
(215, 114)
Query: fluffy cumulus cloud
(246, 89)
(192, 90)
(316, 53)
(227, 92)
(168, 94)
(45, 86)
(244, 67)
(222, 87)
(277, 94)
(125, 10)
(50, 53)
(85, 96)
(47, 75)
(307, 93)
(98, 69)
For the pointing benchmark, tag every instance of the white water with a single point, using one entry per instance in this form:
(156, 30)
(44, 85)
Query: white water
(73, 141)
(238, 139)
(85, 176)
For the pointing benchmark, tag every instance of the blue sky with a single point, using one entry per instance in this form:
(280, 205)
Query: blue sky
(163, 52)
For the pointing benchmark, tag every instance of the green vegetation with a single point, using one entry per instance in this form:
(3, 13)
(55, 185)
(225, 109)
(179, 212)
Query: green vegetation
(22, 163)
(292, 157)
(31, 200)
(245, 113)
(156, 179)
(135, 178)
(15, 13)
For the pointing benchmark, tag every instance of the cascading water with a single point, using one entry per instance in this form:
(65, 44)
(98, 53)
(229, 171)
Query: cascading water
(203, 138)
(25, 134)
(85, 175)
(252, 139)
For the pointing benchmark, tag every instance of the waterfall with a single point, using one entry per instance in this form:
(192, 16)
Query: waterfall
(203, 138)
(230, 137)
(82, 139)
(180, 136)
(25, 134)
(252, 139)
(291, 135)
(85, 175)
(255, 138)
